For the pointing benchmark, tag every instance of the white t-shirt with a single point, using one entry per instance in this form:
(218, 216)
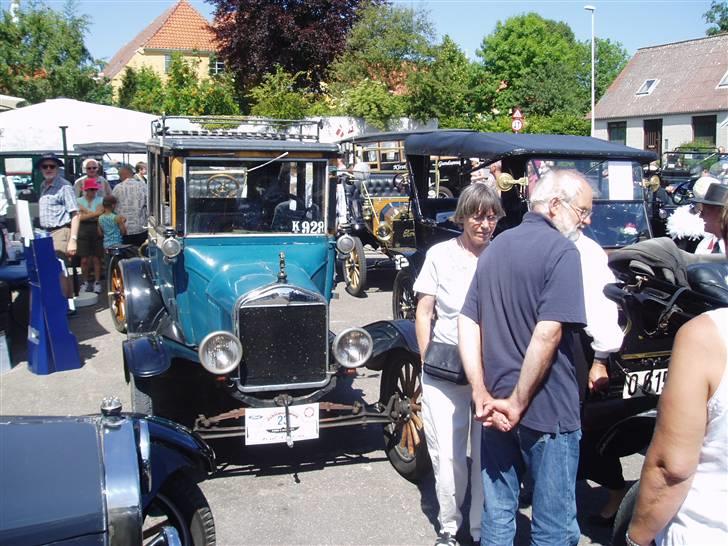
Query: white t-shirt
(446, 274)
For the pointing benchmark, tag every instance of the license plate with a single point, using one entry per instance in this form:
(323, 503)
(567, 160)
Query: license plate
(645, 382)
(268, 425)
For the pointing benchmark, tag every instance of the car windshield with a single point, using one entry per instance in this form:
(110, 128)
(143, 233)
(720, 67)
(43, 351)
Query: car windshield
(256, 196)
(688, 161)
(615, 224)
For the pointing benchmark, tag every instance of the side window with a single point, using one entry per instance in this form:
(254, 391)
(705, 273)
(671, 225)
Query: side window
(153, 198)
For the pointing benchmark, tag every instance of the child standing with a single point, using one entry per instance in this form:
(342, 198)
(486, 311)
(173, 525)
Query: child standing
(111, 225)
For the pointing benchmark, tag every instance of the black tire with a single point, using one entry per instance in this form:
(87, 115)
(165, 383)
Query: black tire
(141, 395)
(183, 505)
(624, 515)
(444, 191)
(116, 294)
(355, 269)
(404, 303)
(408, 454)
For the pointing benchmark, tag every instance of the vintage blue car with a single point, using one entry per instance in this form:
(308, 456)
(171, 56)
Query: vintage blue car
(227, 317)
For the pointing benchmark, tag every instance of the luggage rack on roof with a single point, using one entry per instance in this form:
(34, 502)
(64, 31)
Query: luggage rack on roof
(237, 127)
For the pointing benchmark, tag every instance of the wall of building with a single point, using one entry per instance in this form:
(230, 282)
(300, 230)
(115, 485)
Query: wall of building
(676, 130)
(155, 60)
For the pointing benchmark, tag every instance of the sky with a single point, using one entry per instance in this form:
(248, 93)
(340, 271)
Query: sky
(634, 23)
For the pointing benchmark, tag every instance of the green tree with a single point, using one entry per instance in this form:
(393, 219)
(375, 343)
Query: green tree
(372, 101)
(717, 17)
(611, 58)
(128, 88)
(385, 45)
(524, 53)
(44, 56)
(149, 92)
(278, 97)
(443, 89)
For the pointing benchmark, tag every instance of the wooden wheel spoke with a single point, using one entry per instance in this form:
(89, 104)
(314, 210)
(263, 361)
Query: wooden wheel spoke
(405, 434)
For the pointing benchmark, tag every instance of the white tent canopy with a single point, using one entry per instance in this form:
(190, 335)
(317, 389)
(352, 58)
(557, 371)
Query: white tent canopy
(36, 127)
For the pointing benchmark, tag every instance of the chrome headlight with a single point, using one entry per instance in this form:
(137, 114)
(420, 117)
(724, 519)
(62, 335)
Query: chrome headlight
(220, 352)
(345, 244)
(171, 247)
(352, 348)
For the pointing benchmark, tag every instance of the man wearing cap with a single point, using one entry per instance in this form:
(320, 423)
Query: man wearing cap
(131, 195)
(58, 212)
(711, 206)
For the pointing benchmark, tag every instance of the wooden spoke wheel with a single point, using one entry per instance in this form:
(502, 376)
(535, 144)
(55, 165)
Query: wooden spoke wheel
(117, 294)
(404, 303)
(355, 269)
(405, 438)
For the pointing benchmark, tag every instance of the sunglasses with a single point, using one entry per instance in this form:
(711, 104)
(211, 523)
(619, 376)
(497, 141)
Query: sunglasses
(92, 168)
(49, 166)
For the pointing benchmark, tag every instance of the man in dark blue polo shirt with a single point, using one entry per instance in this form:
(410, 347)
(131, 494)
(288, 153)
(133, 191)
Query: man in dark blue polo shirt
(515, 330)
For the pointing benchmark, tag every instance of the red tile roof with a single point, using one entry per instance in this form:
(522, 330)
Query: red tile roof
(181, 27)
(688, 74)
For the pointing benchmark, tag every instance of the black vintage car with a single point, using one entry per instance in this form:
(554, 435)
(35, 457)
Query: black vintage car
(108, 479)
(377, 198)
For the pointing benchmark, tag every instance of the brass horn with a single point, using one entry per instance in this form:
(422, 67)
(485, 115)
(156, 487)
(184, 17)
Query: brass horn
(653, 184)
(505, 182)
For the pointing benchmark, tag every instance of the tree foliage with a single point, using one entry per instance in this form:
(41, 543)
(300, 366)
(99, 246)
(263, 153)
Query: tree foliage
(277, 96)
(44, 56)
(183, 93)
(717, 17)
(299, 35)
(371, 100)
(385, 45)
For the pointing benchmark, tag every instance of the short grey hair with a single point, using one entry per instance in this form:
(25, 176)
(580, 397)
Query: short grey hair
(561, 184)
(88, 161)
(477, 198)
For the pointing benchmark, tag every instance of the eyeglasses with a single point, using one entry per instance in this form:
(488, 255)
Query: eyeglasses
(92, 168)
(49, 167)
(582, 214)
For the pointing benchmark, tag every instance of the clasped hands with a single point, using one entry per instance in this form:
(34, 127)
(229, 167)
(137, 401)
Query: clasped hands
(499, 413)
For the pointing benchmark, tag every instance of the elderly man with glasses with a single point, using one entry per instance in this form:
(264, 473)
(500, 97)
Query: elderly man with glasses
(58, 212)
(92, 169)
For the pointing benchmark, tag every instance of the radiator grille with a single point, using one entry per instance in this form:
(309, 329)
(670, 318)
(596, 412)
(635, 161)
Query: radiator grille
(283, 345)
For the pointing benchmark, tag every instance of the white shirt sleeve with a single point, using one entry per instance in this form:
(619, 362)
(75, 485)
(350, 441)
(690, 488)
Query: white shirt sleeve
(602, 314)
(426, 282)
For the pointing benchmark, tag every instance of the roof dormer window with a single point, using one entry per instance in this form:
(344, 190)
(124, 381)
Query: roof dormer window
(647, 87)
(723, 83)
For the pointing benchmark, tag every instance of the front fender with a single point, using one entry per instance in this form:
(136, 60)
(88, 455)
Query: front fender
(174, 448)
(145, 356)
(144, 306)
(628, 436)
(389, 335)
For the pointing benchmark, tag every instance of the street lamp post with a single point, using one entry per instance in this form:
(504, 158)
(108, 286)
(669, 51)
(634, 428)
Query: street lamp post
(592, 9)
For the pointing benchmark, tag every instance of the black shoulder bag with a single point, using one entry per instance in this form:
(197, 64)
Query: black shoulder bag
(442, 360)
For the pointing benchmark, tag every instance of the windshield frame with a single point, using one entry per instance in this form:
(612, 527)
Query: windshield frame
(263, 158)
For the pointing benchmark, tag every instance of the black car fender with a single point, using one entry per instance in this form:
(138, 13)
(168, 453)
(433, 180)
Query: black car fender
(628, 436)
(145, 356)
(174, 448)
(388, 336)
(144, 306)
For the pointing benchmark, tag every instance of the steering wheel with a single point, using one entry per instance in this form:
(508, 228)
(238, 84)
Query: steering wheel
(222, 185)
(682, 194)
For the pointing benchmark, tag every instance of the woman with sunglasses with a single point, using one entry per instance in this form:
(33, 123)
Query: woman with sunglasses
(92, 169)
(58, 212)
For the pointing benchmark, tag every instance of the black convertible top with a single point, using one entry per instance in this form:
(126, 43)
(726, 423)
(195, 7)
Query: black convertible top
(495, 146)
(91, 148)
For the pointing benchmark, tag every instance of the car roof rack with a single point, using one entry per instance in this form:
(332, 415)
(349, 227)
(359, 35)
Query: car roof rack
(241, 127)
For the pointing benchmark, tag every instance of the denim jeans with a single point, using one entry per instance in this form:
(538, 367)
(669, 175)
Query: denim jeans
(552, 460)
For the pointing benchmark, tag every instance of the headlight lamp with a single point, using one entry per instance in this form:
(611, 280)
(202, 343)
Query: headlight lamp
(171, 247)
(220, 352)
(352, 348)
(345, 244)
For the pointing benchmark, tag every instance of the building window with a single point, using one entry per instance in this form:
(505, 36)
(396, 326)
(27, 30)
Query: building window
(617, 131)
(723, 83)
(167, 63)
(216, 66)
(704, 129)
(647, 87)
